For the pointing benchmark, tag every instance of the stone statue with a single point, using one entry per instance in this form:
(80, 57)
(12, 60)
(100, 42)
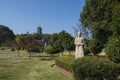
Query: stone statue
(79, 42)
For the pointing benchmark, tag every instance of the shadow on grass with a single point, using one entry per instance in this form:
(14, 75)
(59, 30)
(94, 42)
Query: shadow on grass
(44, 57)
(47, 58)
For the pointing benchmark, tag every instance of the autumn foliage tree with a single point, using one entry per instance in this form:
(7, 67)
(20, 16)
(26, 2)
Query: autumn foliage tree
(20, 42)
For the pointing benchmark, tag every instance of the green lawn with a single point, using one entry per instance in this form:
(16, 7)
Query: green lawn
(39, 67)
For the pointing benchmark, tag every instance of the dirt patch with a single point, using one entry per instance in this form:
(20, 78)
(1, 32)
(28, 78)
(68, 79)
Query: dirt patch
(63, 71)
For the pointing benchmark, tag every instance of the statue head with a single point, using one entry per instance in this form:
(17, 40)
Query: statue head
(79, 34)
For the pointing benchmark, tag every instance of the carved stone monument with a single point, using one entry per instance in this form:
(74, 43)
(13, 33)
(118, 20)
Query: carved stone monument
(79, 42)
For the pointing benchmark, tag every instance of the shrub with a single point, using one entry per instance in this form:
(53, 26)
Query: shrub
(112, 49)
(95, 68)
(65, 63)
(51, 50)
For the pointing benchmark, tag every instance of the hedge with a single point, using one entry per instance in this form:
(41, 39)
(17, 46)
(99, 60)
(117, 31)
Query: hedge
(95, 68)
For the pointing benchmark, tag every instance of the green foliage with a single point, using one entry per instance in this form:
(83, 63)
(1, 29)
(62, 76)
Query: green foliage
(33, 49)
(87, 50)
(46, 36)
(24, 38)
(6, 35)
(115, 25)
(102, 18)
(51, 50)
(53, 40)
(65, 63)
(113, 48)
(36, 36)
(95, 46)
(62, 41)
(95, 68)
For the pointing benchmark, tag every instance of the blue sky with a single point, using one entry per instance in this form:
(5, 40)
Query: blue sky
(52, 15)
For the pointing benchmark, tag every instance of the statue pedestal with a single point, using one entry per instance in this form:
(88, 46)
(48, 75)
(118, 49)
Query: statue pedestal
(79, 53)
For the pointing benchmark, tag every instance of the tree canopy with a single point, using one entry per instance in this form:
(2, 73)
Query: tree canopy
(6, 35)
(26, 39)
(62, 41)
(102, 17)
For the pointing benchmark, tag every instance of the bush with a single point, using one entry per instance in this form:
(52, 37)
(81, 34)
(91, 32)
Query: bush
(112, 49)
(65, 63)
(51, 50)
(95, 68)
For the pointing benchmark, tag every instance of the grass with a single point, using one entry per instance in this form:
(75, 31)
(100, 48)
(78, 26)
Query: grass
(39, 67)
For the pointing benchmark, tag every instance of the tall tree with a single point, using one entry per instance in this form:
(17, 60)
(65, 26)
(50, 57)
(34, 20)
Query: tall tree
(113, 46)
(6, 35)
(102, 18)
(53, 40)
